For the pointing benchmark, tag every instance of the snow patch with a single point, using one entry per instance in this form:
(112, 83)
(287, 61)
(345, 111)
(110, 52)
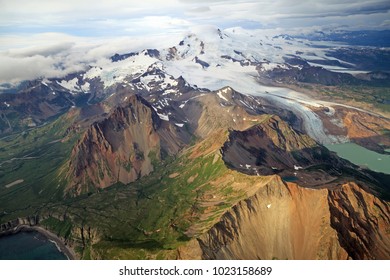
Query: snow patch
(114, 72)
(73, 85)
(247, 105)
(85, 87)
(296, 167)
(170, 91)
(70, 85)
(271, 66)
(163, 117)
(221, 96)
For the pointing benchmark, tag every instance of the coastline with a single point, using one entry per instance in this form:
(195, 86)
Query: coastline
(66, 250)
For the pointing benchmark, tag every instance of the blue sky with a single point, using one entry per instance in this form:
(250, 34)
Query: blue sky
(36, 34)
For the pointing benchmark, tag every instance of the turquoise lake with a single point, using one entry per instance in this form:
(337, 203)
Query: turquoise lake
(362, 156)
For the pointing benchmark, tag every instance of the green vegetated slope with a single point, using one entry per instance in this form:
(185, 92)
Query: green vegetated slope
(147, 219)
(150, 218)
(29, 163)
(376, 99)
(153, 216)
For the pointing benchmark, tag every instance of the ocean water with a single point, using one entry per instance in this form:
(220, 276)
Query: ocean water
(29, 246)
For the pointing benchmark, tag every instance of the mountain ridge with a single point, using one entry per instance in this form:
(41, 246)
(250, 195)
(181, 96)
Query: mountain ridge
(157, 152)
(308, 225)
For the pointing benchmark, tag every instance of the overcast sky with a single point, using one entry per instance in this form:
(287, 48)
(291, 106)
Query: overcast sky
(31, 30)
(127, 17)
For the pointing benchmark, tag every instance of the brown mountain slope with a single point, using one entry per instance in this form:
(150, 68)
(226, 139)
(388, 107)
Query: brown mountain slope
(273, 147)
(120, 148)
(233, 215)
(271, 143)
(338, 219)
(284, 221)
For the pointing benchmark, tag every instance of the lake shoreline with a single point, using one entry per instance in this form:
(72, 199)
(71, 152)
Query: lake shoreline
(61, 246)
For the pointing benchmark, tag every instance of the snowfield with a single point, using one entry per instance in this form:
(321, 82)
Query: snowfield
(214, 59)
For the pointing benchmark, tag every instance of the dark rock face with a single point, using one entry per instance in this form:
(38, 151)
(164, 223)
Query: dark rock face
(118, 57)
(11, 227)
(270, 146)
(362, 222)
(121, 148)
(273, 147)
(152, 53)
(204, 64)
(308, 74)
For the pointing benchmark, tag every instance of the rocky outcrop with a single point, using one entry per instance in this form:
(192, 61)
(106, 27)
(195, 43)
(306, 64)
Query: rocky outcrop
(273, 147)
(362, 222)
(121, 148)
(284, 221)
(307, 74)
(335, 219)
(367, 130)
(11, 227)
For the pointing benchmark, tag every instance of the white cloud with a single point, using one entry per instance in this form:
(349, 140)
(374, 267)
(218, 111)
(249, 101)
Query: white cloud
(157, 25)
(38, 36)
(47, 50)
(295, 13)
(105, 17)
(56, 55)
(26, 68)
